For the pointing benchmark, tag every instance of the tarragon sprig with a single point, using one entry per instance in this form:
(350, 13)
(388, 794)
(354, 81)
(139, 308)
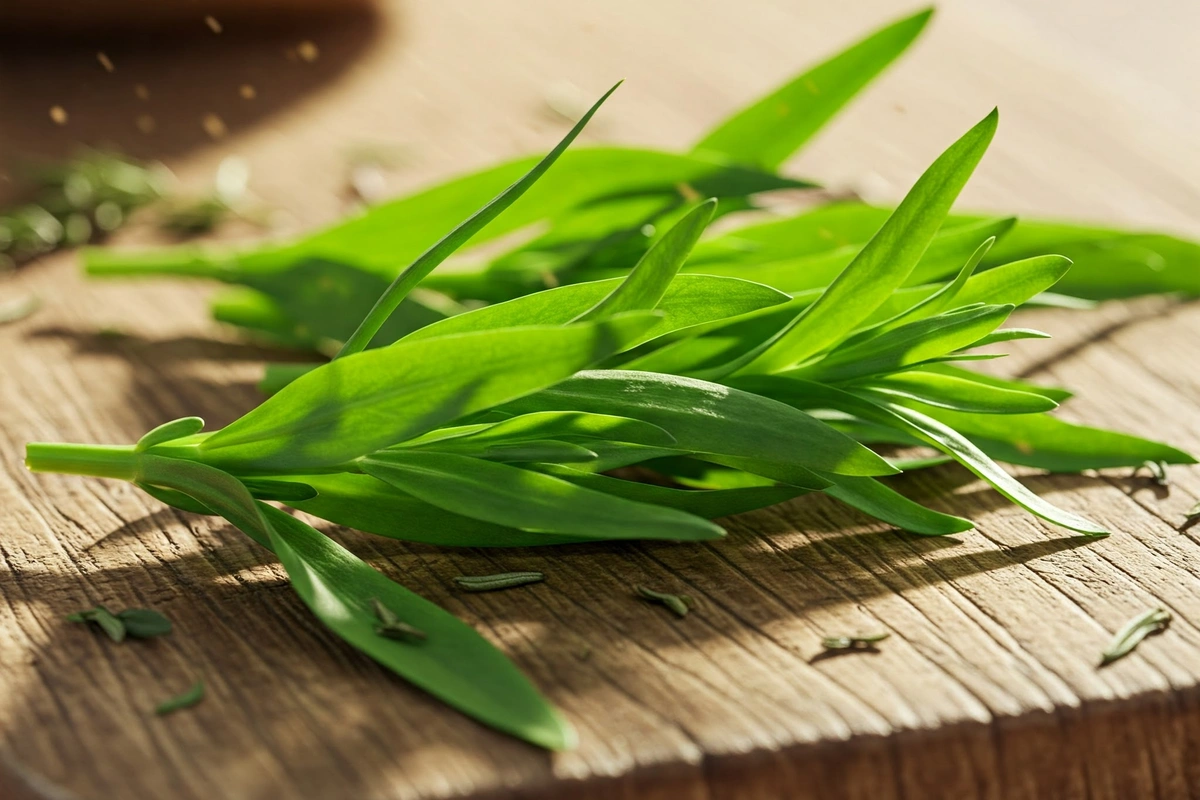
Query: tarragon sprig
(498, 426)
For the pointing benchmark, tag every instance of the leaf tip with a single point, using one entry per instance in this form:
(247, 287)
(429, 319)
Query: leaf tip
(920, 19)
(553, 733)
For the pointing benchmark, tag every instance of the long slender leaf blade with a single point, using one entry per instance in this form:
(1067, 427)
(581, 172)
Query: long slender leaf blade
(710, 418)
(1111, 263)
(958, 393)
(1046, 442)
(882, 502)
(168, 431)
(709, 504)
(689, 301)
(454, 663)
(652, 275)
(368, 504)
(519, 498)
(885, 262)
(570, 425)
(908, 344)
(797, 272)
(444, 247)
(356, 405)
(929, 430)
(774, 127)
(1055, 393)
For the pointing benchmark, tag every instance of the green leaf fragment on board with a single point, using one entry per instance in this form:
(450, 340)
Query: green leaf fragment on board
(1154, 620)
(677, 604)
(108, 622)
(502, 580)
(186, 699)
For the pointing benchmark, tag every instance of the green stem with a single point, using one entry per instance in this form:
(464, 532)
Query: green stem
(187, 262)
(440, 251)
(95, 460)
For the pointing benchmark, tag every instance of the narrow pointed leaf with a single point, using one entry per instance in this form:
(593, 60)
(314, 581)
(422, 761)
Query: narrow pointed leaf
(519, 498)
(453, 663)
(885, 263)
(441, 250)
(709, 504)
(689, 301)
(872, 497)
(368, 504)
(653, 274)
(1007, 335)
(168, 431)
(1045, 442)
(359, 404)
(774, 127)
(1055, 393)
(710, 418)
(959, 393)
(908, 344)
(929, 430)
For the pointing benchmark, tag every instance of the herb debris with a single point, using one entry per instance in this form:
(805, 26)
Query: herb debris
(678, 604)
(502, 580)
(186, 699)
(1153, 621)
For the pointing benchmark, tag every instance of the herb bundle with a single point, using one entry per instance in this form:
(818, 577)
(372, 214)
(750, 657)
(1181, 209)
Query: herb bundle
(500, 426)
(603, 207)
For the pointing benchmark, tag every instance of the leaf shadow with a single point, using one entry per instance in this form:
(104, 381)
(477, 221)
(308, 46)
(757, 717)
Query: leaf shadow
(167, 80)
(240, 626)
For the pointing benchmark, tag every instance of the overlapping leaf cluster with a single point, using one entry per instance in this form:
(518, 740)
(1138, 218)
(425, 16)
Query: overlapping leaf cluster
(603, 207)
(502, 426)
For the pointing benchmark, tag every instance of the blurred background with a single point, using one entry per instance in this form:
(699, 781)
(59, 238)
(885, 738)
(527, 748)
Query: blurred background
(328, 104)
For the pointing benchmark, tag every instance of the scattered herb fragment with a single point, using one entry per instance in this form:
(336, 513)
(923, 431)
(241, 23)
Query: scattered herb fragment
(679, 604)
(1157, 470)
(859, 642)
(502, 580)
(193, 695)
(1150, 622)
(1193, 517)
(108, 622)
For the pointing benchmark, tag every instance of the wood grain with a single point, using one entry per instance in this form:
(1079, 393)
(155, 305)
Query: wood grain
(988, 687)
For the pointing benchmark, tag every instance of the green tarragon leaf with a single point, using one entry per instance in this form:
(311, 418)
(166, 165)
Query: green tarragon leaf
(884, 264)
(518, 498)
(710, 418)
(453, 663)
(359, 404)
(774, 127)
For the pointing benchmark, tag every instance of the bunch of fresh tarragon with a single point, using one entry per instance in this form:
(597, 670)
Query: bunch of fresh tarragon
(502, 425)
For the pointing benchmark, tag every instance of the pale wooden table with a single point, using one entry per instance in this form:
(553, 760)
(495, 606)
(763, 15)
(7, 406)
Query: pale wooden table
(988, 687)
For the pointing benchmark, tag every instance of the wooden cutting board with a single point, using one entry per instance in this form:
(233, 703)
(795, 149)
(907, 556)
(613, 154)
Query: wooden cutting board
(988, 687)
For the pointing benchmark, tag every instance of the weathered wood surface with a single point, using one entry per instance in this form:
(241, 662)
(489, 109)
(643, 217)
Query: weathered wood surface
(988, 687)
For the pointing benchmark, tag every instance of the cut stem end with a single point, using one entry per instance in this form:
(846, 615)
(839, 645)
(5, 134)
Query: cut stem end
(93, 460)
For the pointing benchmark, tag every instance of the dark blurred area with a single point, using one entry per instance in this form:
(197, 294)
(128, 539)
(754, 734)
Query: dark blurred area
(155, 80)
